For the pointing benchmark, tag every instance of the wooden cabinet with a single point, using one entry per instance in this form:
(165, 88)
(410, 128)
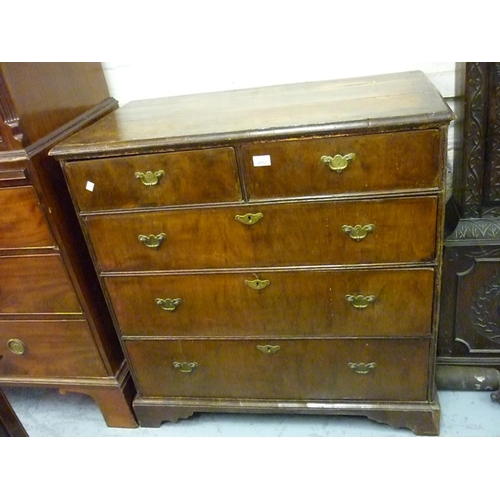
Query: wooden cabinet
(272, 250)
(55, 328)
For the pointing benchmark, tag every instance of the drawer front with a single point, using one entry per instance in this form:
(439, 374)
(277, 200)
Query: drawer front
(381, 162)
(204, 176)
(283, 369)
(48, 349)
(287, 234)
(22, 222)
(285, 304)
(36, 284)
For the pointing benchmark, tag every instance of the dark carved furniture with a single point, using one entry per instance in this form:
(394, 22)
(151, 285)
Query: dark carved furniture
(10, 425)
(55, 328)
(274, 249)
(469, 332)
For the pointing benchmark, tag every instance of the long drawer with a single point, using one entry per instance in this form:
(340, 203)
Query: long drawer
(48, 349)
(36, 284)
(352, 164)
(200, 176)
(355, 232)
(286, 304)
(372, 370)
(22, 222)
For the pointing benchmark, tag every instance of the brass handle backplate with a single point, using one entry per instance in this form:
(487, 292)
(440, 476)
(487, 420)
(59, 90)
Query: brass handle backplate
(338, 163)
(249, 219)
(257, 284)
(152, 241)
(168, 304)
(16, 346)
(360, 301)
(185, 367)
(362, 368)
(268, 349)
(358, 232)
(150, 178)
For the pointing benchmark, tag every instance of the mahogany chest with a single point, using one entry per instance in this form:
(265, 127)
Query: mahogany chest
(274, 249)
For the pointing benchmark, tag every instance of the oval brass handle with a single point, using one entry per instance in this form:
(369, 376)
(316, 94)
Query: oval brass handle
(268, 349)
(338, 163)
(360, 301)
(150, 178)
(152, 241)
(16, 346)
(257, 284)
(249, 219)
(168, 304)
(362, 368)
(185, 367)
(358, 232)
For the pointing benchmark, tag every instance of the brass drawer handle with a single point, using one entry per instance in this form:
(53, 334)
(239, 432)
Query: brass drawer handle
(362, 368)
(257, 284)
(185, 367)
(358, 232)
(16, 346)
(268, 349)
(152, 241)
(360, 301)
(249, 219)
(149, 178)
(338, 163)
(168, 304)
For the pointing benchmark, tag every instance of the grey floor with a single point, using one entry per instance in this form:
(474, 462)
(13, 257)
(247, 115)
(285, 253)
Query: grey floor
(47, 413)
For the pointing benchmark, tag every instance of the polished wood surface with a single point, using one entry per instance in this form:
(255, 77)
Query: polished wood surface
(192, 177)
(47, 277)
(300, 369)
(36, 284)
(174, 268)
(293, 304)
(53, 349)
(288, 234)
(383, 162)
(10, 425)
(359, 104)
(23, 223)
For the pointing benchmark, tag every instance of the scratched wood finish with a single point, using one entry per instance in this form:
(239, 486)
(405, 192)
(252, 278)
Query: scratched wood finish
(294, 303)
(23, 224)
(300, 369)
(53, 349)
(288, 234)
(191, 177)
(383, 162)
(36, 284)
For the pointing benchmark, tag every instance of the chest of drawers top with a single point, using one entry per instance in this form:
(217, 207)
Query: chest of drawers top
(367, 104)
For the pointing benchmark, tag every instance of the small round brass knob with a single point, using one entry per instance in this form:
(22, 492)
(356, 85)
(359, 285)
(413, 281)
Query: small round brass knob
(16, 346)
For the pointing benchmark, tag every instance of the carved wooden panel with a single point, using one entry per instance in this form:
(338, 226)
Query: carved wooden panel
(492, 166)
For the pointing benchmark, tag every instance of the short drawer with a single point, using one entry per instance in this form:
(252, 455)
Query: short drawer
(22, 222)
(183, 178)
(398, 230)
(48, 349)
(372, 370)
(352, 164)
(286, 304)
(36, 285)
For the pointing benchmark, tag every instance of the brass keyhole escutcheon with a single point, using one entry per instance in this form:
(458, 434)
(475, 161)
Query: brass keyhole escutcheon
(150, 178)
(338, 163)
(16, 346)
(358, 232)
(249, 219)
(268, 349)
(257, 284)
(152, 241)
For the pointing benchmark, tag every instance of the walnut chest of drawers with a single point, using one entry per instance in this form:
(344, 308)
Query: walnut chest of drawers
(274, 249)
